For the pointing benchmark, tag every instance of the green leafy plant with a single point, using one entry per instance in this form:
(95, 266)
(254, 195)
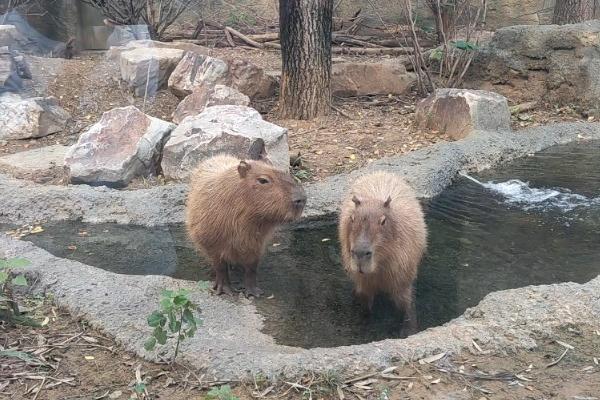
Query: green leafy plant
(9, 309)
(221, 393)
(464, 45)
(175, 316)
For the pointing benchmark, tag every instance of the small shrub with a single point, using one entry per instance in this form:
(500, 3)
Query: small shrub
(221, 393)
(175, 316)
(9, 309)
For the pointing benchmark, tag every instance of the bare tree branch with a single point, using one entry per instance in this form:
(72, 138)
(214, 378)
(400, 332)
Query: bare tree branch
(158, 15)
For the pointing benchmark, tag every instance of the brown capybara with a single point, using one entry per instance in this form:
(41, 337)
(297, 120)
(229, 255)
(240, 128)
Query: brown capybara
(232, 210)
(383, 237)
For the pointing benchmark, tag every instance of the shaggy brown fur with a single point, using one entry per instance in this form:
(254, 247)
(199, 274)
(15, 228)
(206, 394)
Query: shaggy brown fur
(232, 210)
(383, 237)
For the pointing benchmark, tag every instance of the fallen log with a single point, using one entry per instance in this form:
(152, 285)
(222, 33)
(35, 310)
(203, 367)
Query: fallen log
(345, 39)
(229, 38)
(393, 51)
(264, 37)
(243, 37)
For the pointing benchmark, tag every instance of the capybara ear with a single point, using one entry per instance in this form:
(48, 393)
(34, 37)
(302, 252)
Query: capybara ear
(387, 202)
(356, 201)
(258, 151)
(243, 168)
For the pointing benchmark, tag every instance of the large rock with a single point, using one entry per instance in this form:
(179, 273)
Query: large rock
(9, 77)
(222, 129)
(30, 118)
(250, 79)
(124, 34)
(208, 96)
(114, 52)
(148, 68)
(562, 61)
(363, 78)
(196, 71)
(458, 112)
(124, 144)
(12, 38)
(36, 160)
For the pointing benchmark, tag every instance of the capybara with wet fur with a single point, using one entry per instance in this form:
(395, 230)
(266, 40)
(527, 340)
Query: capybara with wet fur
(233, 207)
(383, 237)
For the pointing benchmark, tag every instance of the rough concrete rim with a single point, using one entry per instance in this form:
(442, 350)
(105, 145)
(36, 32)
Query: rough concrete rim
(230, 344)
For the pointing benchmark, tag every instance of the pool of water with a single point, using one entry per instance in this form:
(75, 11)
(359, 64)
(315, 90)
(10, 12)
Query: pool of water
(533, 221)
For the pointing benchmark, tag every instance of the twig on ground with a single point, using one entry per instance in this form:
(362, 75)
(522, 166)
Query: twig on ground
(553, 363)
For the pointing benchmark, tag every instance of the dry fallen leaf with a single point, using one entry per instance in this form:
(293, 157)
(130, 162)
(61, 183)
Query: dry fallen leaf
(45, 321)
(436, 381)
(37, 229)
(89, 357)
(325, 240)
(433, 358)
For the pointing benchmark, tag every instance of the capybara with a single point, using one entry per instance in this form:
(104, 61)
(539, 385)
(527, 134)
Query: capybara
(383, 237)
(233, 207)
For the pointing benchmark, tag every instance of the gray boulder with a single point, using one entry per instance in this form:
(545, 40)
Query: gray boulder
(195, 71)
(222, 129)
(124, 144)
(123, 34)
(12, 38)
(148, 68)
(208, 96)
(30, 118)
(114, 52)
(37, 160)
(562, 61)
(9, 77)
(364, 78)
(459, 112)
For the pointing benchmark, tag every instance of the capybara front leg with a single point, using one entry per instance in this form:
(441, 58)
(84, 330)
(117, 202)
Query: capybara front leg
(365, 300)
(250, 281)
(222, 285)
(405, 303)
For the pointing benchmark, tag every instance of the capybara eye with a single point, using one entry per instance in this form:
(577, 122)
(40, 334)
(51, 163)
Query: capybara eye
(263, 181)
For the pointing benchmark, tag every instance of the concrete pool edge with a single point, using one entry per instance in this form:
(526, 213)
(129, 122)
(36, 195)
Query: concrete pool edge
(429, 170)
(230, 345)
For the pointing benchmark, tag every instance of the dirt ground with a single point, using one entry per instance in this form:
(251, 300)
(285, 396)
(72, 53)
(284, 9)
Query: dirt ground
(358, 130)
(66, 359)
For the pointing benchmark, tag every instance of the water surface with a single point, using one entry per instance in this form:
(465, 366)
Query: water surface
(533, 221)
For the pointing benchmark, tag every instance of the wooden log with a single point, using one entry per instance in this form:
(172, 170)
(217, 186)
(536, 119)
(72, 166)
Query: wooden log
(272, 45)
(244, 38)
(229, 38)
(341, 39)
(394, 51)
(265, 37)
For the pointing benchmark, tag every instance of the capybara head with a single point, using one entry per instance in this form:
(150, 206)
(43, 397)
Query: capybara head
(274, 195)
(370, 224)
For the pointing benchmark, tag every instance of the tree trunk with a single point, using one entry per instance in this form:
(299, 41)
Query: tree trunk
(573, 11)
(305, 32)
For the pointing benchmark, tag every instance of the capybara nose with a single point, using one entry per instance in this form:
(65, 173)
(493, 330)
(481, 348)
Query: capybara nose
(299, 199)
(362, 254)
(299, 203)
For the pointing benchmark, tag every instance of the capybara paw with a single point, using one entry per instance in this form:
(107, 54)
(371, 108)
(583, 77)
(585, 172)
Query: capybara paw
(223, 289)
(254, 291)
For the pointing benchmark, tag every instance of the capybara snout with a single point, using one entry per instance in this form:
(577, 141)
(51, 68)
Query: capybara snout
(298, 199)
